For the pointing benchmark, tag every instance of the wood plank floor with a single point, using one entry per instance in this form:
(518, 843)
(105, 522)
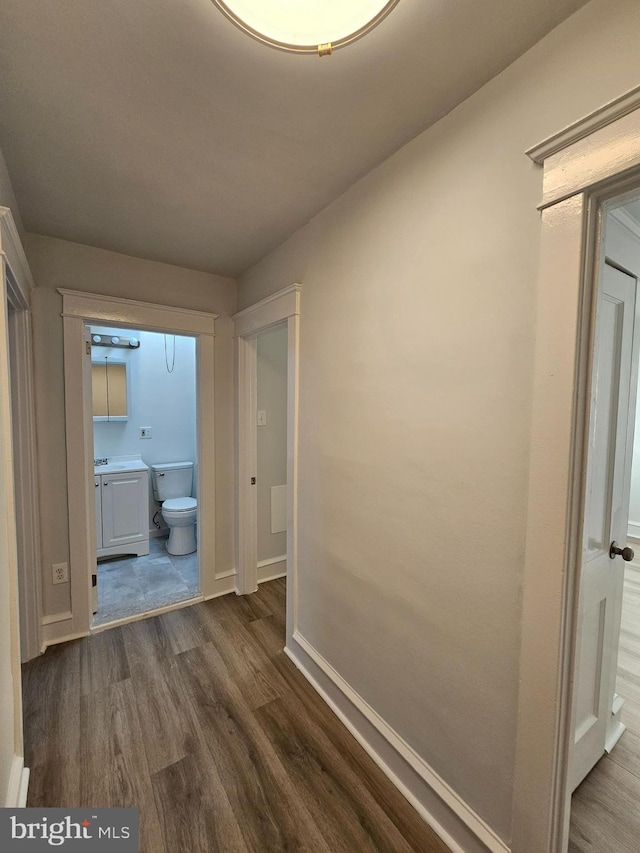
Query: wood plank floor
(605, 810)
(198, 718)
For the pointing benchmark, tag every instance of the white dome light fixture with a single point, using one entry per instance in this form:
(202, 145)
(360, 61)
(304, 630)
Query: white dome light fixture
(306, 26)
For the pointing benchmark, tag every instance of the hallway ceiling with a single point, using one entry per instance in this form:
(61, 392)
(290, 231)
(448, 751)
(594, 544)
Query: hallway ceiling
(157, 129)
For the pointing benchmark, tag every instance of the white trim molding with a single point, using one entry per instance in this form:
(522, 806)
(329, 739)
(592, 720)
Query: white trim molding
(280, 307)
(79, 308)
(26, 481)
(605, 115)
(58, 628)
(627, 221)
(18, 787)
(95, 307)
(18, 588)
(459, 826)
(18, 283)
(597, 156)
(272, 569)
(268, 312)
(11, 248)
(586, 168)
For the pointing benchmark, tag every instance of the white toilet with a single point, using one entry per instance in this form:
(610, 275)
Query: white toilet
(172, 484)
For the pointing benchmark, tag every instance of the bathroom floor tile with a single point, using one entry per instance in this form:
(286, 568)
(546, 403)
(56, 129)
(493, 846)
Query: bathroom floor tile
(132, 585)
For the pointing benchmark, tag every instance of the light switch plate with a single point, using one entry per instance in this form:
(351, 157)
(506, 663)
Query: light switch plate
(262, 418)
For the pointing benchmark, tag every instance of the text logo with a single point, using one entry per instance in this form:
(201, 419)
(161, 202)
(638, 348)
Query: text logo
(37, 830)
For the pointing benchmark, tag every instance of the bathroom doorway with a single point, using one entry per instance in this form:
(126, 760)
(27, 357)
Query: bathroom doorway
(605, 746)
(82, 311)
(143, 388)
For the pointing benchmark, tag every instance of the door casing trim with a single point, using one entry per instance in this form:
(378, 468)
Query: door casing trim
(19, 284)
(281, 307)
(79, 308)
(578, 179)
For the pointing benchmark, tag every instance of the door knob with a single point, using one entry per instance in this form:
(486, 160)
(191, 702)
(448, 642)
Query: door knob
(626, 553)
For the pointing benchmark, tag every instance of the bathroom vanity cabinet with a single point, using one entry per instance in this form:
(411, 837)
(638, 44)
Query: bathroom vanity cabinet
(122, 512)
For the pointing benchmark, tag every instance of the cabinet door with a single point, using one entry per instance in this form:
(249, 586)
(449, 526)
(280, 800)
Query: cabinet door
(109, 390)
(98, 491)
(125, 508)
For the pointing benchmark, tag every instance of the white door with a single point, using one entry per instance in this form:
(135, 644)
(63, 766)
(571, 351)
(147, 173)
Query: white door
(606, 517)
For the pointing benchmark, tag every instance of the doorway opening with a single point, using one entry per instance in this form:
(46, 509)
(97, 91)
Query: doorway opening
(604, 755)
(271, 452)
(84, 311)
(267, 359)
(143, 388)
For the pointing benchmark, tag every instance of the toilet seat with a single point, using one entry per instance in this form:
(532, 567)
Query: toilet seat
(180, 504)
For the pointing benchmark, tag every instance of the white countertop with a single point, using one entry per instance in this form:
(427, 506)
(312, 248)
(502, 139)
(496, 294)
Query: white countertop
(120, 465)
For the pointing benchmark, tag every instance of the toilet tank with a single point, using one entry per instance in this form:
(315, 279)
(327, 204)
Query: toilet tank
(172, 480)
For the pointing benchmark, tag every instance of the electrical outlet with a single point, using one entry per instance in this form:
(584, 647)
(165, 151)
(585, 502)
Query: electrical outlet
(60, 573)
(262, 418)
(145, 432)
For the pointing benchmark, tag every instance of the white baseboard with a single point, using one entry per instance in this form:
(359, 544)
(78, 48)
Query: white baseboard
(269, 570)
(18, 784)
(58, 628)
(54, 618)
(459, 826)
(224, 584)
(231, 573)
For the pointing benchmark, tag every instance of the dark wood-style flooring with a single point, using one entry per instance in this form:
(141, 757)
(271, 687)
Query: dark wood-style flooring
(199, 719)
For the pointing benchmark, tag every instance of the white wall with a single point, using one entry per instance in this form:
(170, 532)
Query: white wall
(272, 439)
(416, 351)
(59, 263)
(164, 401)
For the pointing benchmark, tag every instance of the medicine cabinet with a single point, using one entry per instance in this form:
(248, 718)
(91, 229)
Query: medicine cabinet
(109, 389)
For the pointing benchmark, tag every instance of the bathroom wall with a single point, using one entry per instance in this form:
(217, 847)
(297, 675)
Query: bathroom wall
(272, 438)
(164, 401)
(417, 334)
(59, 263)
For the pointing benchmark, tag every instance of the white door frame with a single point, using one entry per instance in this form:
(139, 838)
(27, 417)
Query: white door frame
(78, 309)
(18, 284)
(583, 166)
(283, 306)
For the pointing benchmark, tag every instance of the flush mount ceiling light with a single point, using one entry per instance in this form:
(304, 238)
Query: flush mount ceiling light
(306, 26)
